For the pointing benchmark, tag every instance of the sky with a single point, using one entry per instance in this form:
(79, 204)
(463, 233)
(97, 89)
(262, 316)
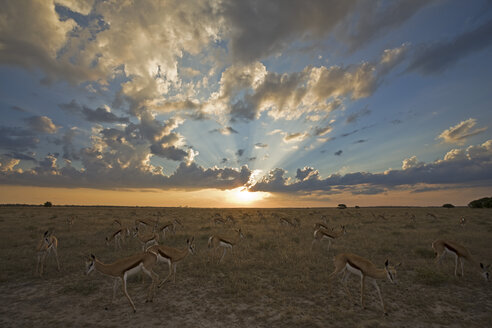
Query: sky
(222, 103)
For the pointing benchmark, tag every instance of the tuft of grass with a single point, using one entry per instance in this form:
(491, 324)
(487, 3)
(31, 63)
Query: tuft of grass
(266, 245)
(430, 277)
(79, 288)
(424, 253)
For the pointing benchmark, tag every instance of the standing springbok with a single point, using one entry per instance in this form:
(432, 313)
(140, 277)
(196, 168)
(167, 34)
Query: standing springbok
(147, 240)
(122, 269)
(47, 245)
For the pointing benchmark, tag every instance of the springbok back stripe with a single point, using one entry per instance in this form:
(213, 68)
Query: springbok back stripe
(450, 248)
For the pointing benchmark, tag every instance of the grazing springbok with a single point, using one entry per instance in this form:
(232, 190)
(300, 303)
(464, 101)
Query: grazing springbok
(168, 227)
(321, 234)
(172, 256)
(460, 252)
(290, 223)
(347, 263)
(118, 236)
(214, 242)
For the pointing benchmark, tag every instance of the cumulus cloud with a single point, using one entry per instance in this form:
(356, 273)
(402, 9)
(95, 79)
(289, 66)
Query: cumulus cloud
(248, 90)
(112, 41)
(411, 162)
(260, 145)
(41, 124)
(7, 164)
(321, 131)
(474, 165)
(306, 173)
(461, 131)
(295, 137)
(276, 131)
(31, 34)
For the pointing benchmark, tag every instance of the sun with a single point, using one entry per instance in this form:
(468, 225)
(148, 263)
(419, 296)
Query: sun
(241, 195)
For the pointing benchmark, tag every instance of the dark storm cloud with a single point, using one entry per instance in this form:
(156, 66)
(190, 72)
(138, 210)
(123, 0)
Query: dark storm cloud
(244, 109)
(436, 57)
(474, 164)
(17, 139)
(170, 152)
(225, 131)
(20, 156)
(259, 30)
(67, 141)
(374, 19)
(349, 133)
(194, 176)
(98, 115)
(99, 175)
(19, 109)
(101, 115)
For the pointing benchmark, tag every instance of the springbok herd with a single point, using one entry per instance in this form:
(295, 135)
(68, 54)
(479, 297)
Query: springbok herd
(150, 233)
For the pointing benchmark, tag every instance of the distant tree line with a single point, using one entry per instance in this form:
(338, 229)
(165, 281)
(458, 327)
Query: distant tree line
(485, 202)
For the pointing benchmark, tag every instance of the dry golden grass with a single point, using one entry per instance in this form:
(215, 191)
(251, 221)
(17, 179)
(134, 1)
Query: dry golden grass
(274, 280)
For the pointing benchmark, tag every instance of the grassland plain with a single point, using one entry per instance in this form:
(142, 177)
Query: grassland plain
(274, 278)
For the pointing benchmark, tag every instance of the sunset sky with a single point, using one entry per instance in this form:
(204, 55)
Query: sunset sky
(195, 103)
